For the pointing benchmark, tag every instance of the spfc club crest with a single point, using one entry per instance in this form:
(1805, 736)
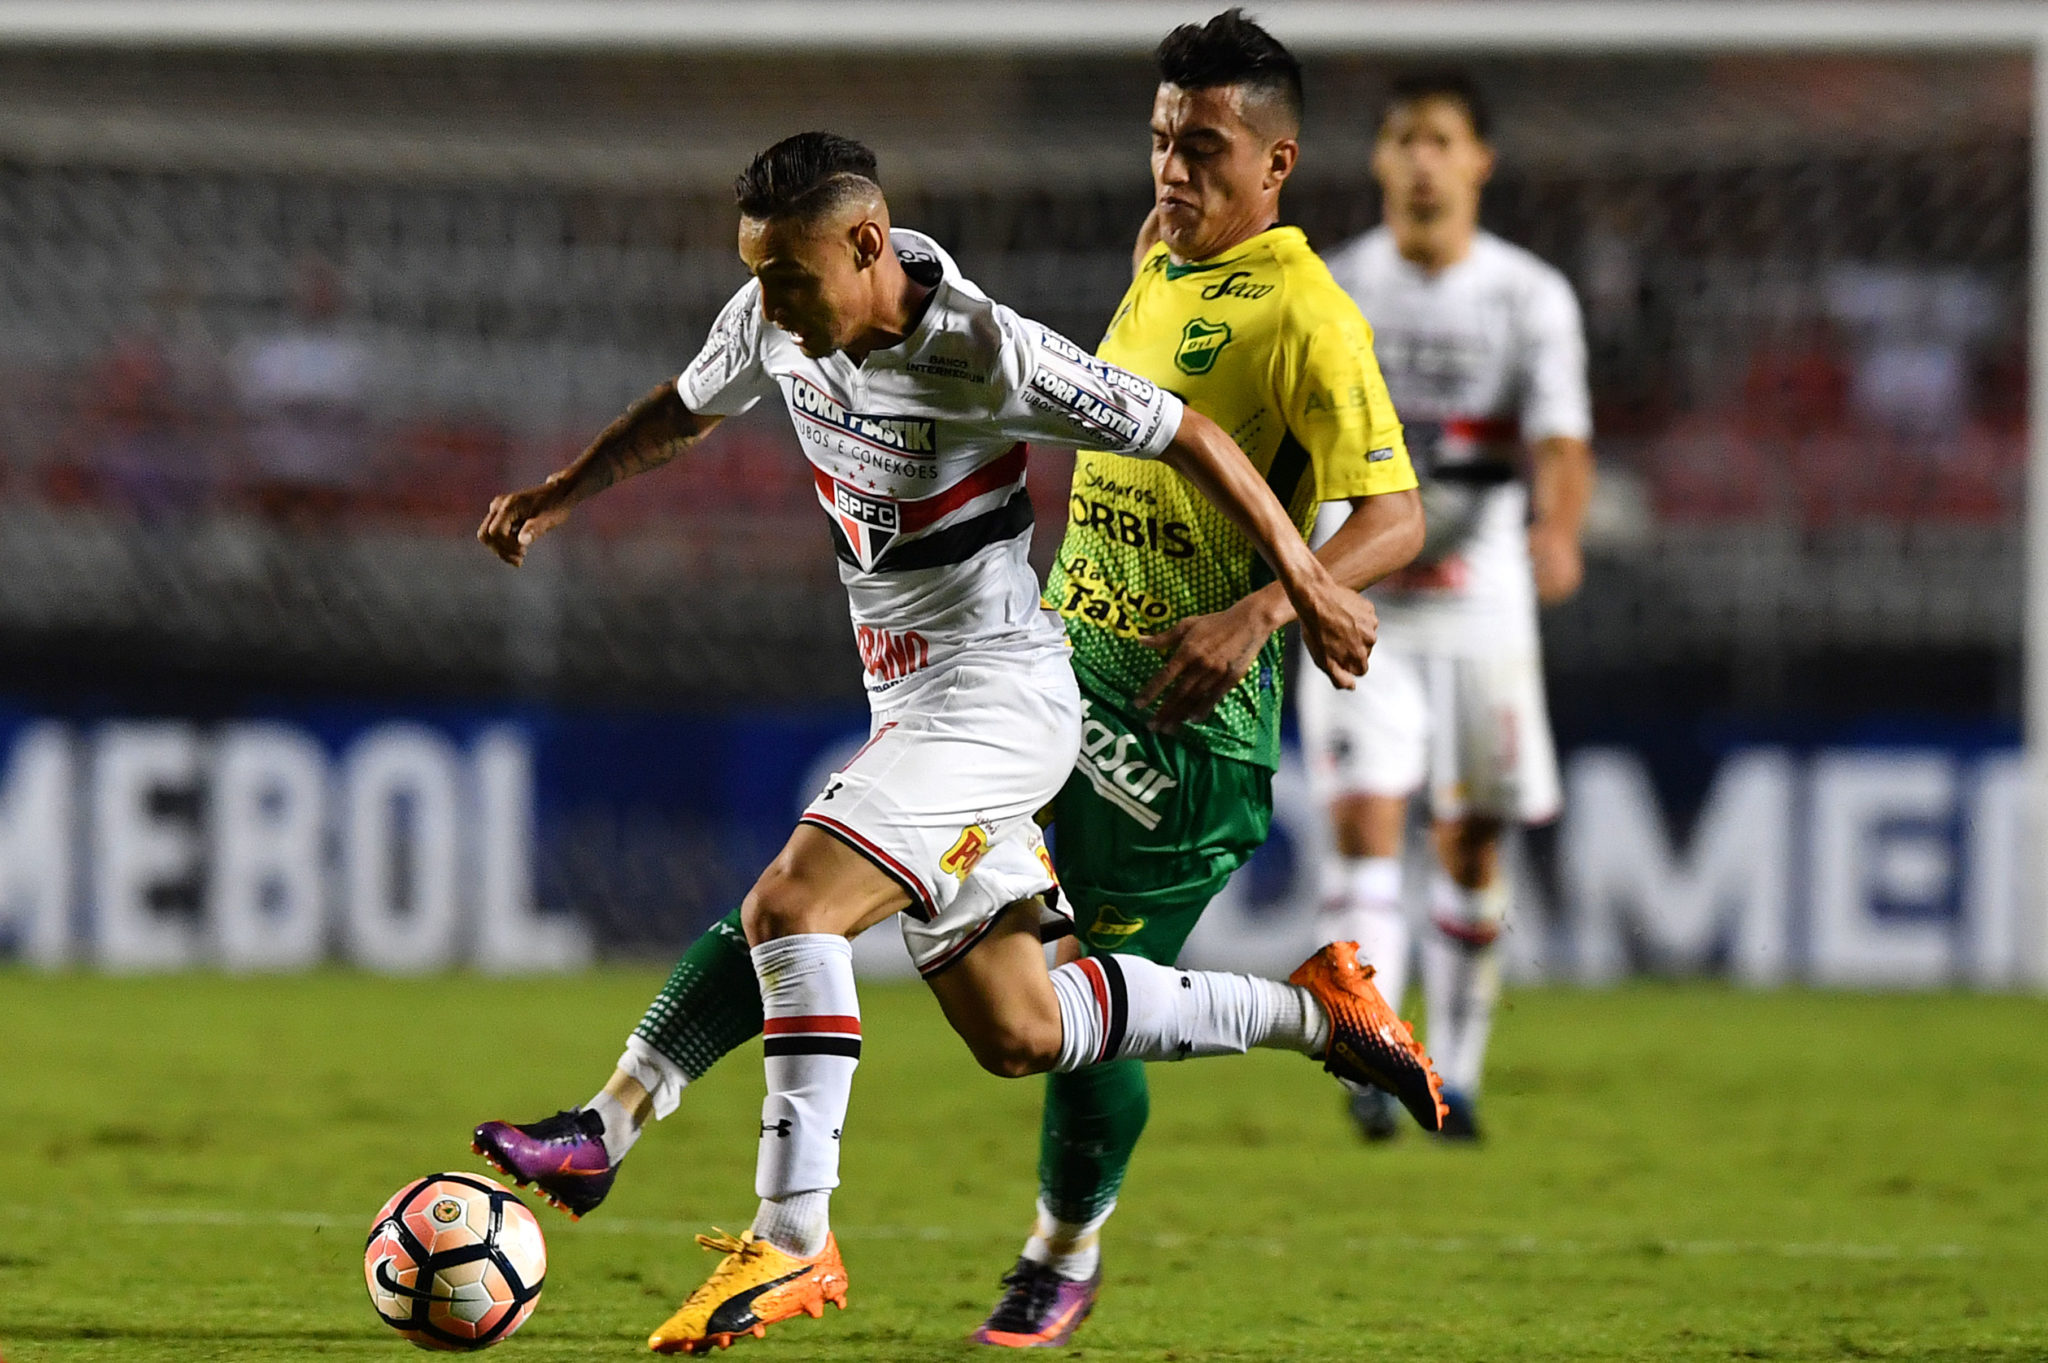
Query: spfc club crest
(868, 523)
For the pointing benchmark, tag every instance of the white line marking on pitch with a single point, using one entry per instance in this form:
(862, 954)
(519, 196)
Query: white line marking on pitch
(1517, 1245)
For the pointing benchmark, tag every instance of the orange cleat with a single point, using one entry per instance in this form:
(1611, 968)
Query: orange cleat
(1368, 1043)
(754, 1286)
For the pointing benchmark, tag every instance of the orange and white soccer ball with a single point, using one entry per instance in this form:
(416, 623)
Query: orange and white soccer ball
(455, 1262)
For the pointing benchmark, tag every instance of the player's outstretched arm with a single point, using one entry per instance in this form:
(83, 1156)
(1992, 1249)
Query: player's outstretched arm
(1337, 625)
(652, 431)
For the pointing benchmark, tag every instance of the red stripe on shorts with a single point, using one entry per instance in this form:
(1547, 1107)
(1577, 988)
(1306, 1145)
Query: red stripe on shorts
(912, 885)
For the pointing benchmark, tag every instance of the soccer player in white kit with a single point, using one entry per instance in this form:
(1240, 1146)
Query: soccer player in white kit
(1485, 358)
(912, 394)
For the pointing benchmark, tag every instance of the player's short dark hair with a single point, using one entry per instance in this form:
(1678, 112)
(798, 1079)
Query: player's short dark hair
(1232, 50)
(1440, 82)
(803, 176)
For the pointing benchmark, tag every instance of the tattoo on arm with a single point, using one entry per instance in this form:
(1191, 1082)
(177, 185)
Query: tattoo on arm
(654, 430)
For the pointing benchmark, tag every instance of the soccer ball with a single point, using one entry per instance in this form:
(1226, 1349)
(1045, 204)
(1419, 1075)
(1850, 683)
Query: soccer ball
(455, 1262)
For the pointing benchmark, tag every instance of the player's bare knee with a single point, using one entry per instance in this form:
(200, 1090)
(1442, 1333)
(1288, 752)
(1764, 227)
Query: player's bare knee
(1469, 849)
(778, 906)
(1020, 1048)
(1368, 825)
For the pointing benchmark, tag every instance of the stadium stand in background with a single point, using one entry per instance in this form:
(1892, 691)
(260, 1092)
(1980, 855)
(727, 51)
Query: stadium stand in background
(274, 328)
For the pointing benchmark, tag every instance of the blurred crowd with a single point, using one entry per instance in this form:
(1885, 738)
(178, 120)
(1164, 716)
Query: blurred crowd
(250, 416)
(1903, 403)
(1896, 404)
(332, 291)
(285, 424)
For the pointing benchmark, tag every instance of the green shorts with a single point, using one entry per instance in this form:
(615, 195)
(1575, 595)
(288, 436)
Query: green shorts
(1148, 829)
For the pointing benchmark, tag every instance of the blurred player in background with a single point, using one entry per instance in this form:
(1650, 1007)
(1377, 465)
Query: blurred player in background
(1486, 360)
(912, 394)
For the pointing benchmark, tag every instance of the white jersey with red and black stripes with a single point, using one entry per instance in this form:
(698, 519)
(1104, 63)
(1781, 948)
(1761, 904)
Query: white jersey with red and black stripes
(918, 453)
(1483, 359)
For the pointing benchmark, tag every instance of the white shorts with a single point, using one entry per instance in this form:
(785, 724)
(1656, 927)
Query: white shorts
(1475, 730)
(943, 797)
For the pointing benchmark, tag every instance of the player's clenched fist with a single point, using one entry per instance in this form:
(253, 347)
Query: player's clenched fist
(517, 519)
(1338, 628)
(654, 430)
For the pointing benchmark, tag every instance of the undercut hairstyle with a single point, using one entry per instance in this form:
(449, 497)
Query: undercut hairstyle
(1232, 50)
(804, 177)
(1442, 82)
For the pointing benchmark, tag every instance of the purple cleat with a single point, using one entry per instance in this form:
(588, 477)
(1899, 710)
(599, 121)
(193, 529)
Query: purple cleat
(561, 1156)
(1039, 1309)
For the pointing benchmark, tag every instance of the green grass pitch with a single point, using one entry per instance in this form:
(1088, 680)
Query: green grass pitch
(1675, 1173)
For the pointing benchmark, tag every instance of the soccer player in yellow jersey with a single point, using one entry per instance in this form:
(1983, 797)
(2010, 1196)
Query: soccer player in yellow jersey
(1172, 618)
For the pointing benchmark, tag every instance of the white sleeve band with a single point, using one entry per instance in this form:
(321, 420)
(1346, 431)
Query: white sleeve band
(1171, 412)
(1059, 394)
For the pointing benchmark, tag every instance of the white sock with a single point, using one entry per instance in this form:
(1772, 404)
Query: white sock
(1362, 904)
(1127, 1008)
(797, 1224)
(662, 1077)
(810, 1050)
(620, 1130)
(1072, 1249)
(1461, 966)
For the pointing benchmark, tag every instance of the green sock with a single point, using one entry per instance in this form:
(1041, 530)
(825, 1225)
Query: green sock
(1092, 1122)
(711, 1003)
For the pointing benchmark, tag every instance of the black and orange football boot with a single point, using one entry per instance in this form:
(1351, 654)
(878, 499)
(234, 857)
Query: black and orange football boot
(1369, 1044)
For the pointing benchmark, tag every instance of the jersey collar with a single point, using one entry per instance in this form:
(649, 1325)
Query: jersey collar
(1231, 257)
(907, 242)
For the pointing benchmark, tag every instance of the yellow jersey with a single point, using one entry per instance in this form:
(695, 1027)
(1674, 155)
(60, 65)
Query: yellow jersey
(1261, 341)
